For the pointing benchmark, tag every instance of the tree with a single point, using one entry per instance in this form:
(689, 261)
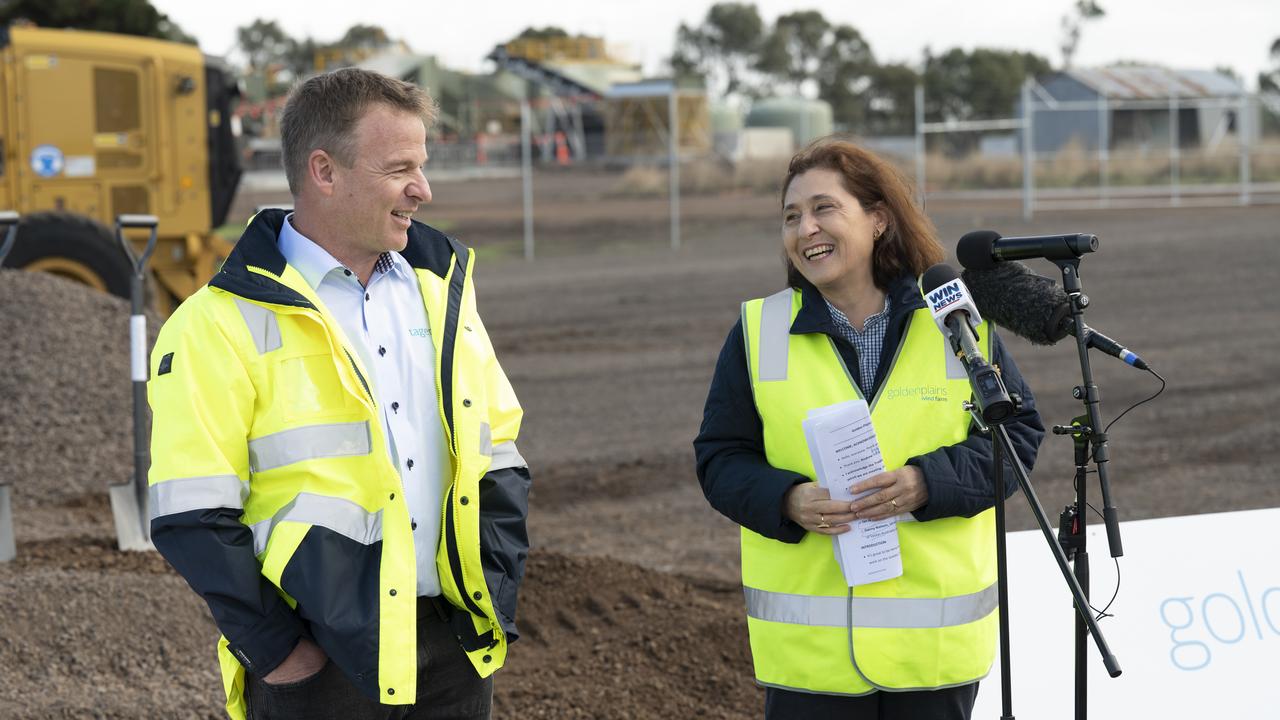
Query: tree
(844, 73)
(984, 84)
(793, 49)
(891, 102)
(546, 33)
(264, 44)
(1229, 72)
(1269, 80)
(364, 37)
(127, 17)
(723, 49)
(301, 56)
(1085, 10)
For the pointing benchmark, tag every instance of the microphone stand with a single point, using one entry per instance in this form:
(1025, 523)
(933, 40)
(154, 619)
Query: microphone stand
(1002, 449)
(1085, 430)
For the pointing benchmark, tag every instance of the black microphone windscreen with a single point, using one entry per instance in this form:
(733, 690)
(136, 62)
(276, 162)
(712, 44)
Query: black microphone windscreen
(1028, 305)
(937, 276)
(974, 250)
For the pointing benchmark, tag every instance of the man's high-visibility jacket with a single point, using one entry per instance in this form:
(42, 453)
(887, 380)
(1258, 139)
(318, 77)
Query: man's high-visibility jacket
(932, 627)
(273, 493)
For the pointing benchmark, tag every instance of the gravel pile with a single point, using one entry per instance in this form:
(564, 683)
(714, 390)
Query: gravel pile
(88, 632)
(66, 417)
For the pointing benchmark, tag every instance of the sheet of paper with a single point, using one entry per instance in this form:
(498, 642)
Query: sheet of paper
(843, 447)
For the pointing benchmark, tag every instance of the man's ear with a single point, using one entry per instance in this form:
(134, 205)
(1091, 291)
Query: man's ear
(321, 168)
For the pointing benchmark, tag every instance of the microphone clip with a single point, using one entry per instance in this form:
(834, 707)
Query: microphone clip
(976, 414)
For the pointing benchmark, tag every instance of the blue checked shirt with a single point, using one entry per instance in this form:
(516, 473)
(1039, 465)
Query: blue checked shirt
(869, 343)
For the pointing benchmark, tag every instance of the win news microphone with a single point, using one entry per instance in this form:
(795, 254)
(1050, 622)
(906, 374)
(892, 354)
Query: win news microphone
(984, 249)
(956, 315)
(1033, 307)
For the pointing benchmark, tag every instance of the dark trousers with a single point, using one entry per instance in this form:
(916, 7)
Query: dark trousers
(949, 704)
(448, 687)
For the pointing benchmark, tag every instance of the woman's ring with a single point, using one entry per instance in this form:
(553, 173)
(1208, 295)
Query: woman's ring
(822, 521)
(894, 502)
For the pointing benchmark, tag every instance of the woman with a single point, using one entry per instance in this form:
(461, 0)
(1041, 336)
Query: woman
(852, 324)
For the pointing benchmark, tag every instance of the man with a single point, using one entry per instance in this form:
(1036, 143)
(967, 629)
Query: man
(334, 462)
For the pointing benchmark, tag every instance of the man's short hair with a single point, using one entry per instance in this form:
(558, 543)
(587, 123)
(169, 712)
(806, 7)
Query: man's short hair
(322, 112)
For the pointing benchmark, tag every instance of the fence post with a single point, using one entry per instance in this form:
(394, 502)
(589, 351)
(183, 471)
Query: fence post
(1104, 150)
(526, 175)
(1244, 138)
(1028, 152)
(1175, 153)
(920, 147)
(673, 160)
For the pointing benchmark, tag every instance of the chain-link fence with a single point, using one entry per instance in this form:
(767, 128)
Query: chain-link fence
(1105, 152)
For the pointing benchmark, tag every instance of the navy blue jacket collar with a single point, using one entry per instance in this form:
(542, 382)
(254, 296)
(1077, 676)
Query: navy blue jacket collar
(427, 249)
(815, 316)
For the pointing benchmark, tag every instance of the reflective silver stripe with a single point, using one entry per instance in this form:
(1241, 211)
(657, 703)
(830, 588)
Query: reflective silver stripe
(262, 324)
(505, 456)
(341, 516)
(828, 611)
(775, 336)
(306, 443)
(197, 493)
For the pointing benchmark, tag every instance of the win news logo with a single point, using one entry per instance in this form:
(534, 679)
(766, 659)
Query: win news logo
(945, 296)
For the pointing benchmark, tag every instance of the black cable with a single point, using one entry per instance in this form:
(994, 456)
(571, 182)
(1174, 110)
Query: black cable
(1140, 402)
(1103, 612)
(1116, 593)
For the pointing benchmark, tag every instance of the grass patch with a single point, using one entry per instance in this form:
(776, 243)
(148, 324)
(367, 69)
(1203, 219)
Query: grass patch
(1072, 167)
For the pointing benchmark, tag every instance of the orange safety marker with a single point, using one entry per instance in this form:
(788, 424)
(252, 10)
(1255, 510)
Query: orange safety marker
(562, 149)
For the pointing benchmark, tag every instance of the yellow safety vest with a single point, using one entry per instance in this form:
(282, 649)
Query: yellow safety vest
(933, 627)
(273, 414)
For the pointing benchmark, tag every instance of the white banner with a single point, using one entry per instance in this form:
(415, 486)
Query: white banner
(1196, 629)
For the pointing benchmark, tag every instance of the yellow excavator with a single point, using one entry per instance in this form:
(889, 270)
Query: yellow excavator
(94, 126)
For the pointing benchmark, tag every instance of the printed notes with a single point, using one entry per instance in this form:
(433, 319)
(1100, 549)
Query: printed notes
(842, 443)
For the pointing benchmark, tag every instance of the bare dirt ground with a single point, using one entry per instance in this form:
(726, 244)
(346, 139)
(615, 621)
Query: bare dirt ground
(631, 608)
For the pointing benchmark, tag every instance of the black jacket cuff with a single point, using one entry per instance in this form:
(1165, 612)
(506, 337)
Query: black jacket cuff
(270, 641)
(945, 498)
(776, 525)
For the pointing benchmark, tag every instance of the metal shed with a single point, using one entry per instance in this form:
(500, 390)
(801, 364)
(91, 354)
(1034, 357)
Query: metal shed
(1135, 107)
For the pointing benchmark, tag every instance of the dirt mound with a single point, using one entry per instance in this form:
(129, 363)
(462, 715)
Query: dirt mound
(89, 632)
(607, 639)
(66, 419)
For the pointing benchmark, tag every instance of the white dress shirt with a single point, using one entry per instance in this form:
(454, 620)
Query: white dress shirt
(386, 325)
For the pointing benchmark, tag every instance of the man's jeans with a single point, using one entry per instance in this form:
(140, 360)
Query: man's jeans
(448, 687)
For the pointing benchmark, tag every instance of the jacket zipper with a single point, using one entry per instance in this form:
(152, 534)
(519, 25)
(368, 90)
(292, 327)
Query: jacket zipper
(363, 383)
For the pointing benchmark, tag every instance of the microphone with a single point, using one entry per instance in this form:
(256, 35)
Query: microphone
(984, 249)
(956, 316)
(1033, 307)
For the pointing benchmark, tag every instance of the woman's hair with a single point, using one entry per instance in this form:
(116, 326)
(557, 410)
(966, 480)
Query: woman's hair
(909, 242)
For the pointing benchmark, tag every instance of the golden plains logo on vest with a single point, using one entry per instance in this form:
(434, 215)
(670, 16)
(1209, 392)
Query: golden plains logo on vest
(923, 393)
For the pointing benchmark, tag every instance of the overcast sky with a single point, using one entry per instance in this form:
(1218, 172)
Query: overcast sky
(1176, 33)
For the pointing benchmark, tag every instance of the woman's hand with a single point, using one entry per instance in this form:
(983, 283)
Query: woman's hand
(812, 508)
(896, 492)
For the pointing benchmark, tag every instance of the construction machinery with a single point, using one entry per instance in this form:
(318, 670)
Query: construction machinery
(96, 125)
